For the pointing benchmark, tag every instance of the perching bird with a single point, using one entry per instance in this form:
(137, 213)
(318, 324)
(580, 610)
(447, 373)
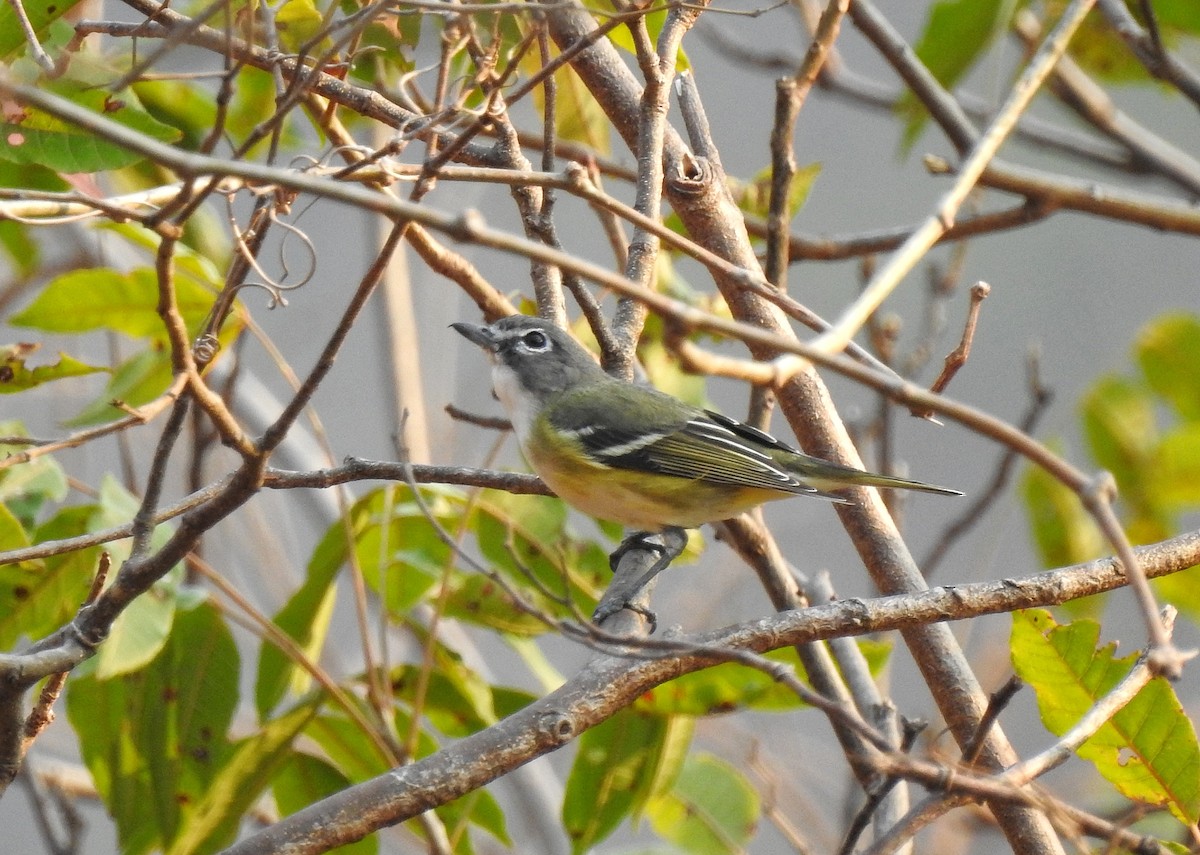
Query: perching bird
(638, 456)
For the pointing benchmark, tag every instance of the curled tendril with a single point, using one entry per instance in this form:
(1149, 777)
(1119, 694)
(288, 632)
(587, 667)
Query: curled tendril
(206, 348)
(273, 285)
(274, 292)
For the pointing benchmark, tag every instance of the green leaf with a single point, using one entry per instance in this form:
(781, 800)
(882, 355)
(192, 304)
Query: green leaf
(24, 253)
(305, 779)
(1168, 352)
(23, 250)
(1121, 428)
(1148, 749)
(478, 808)
(526, 535)
(711, 809)
(305, 618)
(623, 38)
(578, 116)
(299, 21)
(16, 580)
(479, 600)
(353, 751)
(1173, 475)
(1178, 15)
(215, 819)
(15, 376)
(613, 773)
(37, 138)
(456, 700)
(955, 34)
(103, 299)
(254, 98)
(195, 273)
(141, 631)
(38, 597)
(1101, 51)
(138, 380)
(731, 686)
(755, 197)
(400, 554)
(154, 739)
(1062, 529)
(723, 688)
(27, 487)
(180, 105)
(41, 14)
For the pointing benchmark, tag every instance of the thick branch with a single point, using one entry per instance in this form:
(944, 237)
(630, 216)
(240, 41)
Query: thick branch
(712, 218)
(610, 683)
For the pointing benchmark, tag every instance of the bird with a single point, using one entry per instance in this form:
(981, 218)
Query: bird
(634, 455)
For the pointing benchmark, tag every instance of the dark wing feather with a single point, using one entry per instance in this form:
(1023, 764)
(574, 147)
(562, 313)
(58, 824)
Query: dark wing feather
(702, 449)
(664, 435)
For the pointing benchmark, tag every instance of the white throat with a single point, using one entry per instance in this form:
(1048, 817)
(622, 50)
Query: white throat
(520, 405)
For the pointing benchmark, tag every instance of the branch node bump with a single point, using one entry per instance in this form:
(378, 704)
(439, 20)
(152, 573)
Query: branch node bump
(557, 726)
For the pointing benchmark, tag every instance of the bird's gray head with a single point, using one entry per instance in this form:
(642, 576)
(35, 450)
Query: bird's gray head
(543, 358)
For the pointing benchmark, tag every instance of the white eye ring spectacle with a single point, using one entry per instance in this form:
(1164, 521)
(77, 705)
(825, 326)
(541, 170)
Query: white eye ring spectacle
(535, 341)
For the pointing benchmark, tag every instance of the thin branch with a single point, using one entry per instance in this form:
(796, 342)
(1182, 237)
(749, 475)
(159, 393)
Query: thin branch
(982, 150)
(138, 416)
(790, 95)
(31, 40)
(957, 358)
(1088, 99)
(998, 701)
(657, 63)
(1148, 48)
(809, 247)
(354, 470)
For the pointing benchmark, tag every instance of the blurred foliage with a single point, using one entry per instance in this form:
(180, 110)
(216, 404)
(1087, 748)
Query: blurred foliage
(958, 34)
(1144, 428)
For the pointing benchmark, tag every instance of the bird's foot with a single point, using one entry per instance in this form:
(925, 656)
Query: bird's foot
(609, 607)
(637, 540)
(621, 594)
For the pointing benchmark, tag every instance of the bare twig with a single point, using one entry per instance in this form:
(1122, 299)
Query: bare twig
(998, 701)
(1147, 47)
(31, 40)
(1087, 98)
(657, 63)
(790, 95)
(489, 422)
(981, 153)
(139, 416)
(957, 358)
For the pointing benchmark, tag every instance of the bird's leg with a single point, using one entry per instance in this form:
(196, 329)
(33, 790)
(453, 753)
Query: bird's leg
(674, 540)
(637, 540)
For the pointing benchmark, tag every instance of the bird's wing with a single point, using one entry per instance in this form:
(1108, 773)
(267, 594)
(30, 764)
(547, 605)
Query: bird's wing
(672, 438)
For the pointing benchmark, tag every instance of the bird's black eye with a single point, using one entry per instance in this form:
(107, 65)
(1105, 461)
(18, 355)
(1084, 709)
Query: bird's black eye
(536, 341)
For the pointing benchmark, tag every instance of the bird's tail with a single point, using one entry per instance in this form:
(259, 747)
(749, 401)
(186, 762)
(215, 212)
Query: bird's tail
(826, 476)
(870, 479)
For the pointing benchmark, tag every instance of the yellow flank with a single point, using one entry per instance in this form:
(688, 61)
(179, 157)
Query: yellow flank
(643, 500)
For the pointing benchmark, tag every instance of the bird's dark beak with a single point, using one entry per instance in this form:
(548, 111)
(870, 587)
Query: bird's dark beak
(477, 334)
